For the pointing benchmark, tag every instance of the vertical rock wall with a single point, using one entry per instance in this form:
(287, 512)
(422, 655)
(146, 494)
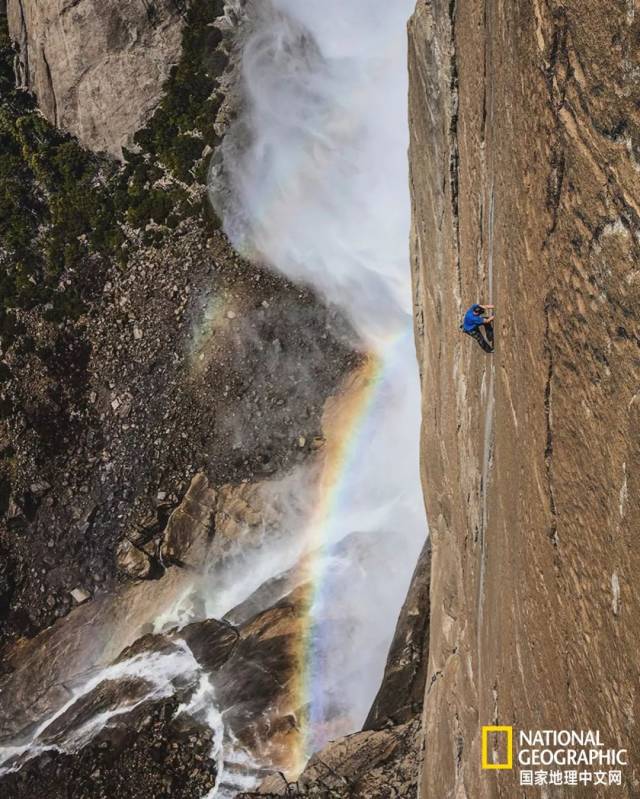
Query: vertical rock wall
(525, 178)
(97, 68)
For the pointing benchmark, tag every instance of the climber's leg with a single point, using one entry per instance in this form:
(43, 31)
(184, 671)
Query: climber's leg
(488, 329)
(477, 335)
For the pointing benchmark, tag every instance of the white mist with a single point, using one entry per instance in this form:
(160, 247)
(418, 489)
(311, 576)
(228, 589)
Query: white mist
(314, 183)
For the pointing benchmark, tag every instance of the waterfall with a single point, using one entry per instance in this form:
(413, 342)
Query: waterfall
(313, 182)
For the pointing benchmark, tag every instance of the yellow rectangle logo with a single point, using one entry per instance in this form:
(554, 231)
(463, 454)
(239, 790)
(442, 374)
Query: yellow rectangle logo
(486, 731)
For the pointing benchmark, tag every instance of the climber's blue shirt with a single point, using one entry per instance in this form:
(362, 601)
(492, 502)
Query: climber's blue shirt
(471, 321)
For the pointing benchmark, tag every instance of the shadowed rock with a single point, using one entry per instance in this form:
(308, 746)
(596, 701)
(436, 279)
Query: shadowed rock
(382, 764)
(401, 694)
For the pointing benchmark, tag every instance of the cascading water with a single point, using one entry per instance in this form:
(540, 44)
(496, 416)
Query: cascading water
(313, 182)
(153, 675)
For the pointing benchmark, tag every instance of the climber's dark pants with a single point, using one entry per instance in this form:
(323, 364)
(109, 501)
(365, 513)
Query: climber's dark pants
(485, 343)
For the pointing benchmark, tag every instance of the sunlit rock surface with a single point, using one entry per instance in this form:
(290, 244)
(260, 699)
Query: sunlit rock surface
(524, 174)
(96, 68)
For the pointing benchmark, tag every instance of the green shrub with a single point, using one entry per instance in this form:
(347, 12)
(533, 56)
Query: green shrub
(189, 104)
(60, 203)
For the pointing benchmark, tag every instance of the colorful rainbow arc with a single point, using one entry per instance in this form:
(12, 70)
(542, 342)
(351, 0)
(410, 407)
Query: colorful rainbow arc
(353, 429)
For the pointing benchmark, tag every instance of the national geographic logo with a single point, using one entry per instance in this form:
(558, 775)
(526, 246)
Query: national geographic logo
(553, 757)
(502, 748)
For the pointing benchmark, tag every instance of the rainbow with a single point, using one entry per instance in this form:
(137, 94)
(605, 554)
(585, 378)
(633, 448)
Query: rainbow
(351, 424)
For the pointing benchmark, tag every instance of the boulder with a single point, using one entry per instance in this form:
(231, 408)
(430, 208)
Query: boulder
(133, 562)
(147, 524)
(79, 595)
(191, 526)
(211, 642)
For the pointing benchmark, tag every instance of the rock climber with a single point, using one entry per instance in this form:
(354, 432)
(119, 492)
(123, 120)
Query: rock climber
(474, 319)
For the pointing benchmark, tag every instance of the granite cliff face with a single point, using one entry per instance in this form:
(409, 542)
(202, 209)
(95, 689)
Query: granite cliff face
(96, 68)
(525, 185)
